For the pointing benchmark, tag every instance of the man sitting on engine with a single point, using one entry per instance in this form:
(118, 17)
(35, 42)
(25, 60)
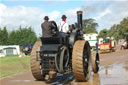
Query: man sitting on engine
(46, 27)
(63, 27)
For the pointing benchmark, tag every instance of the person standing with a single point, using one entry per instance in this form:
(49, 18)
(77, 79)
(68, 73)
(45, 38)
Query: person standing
(46, 27)
(97, 47)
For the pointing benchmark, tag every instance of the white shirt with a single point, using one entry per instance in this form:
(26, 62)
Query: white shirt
(63, 27)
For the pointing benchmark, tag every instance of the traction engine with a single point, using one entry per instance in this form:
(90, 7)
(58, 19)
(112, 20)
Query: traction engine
(64, 55)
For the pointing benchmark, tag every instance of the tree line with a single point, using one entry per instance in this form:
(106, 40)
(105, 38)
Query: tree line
(21, 36)
(117, 30)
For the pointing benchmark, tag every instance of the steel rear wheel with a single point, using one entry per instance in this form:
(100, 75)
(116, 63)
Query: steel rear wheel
(36, 65)
(81, 60)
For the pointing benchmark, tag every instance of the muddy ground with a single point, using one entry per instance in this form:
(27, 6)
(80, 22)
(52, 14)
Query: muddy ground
(113, 71)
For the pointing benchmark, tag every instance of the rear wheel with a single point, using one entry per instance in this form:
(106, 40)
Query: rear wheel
(36, 69)
(81, 60)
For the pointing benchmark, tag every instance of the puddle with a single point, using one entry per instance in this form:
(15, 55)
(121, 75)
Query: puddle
(116, 74)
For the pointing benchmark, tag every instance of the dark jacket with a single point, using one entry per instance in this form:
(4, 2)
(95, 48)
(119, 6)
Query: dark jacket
(46, 29)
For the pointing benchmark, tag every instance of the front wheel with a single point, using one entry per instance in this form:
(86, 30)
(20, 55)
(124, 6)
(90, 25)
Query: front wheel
(95, 62)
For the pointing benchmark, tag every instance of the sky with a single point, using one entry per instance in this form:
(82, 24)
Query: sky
(25, 13)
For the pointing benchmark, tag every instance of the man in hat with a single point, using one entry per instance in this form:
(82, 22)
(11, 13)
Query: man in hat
(63, 27)
(46, 27)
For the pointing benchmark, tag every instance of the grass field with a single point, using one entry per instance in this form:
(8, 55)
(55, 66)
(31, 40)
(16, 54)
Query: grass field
(12, 65)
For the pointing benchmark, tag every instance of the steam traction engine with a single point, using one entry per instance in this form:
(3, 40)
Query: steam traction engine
(64, 55)
(108, 45)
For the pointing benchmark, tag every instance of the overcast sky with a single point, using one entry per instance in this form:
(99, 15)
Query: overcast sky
(14, 13)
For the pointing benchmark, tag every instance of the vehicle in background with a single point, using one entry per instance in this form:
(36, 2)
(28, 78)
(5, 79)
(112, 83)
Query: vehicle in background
(107, 45)
(9, 50)
(92, 39)
(27, 48)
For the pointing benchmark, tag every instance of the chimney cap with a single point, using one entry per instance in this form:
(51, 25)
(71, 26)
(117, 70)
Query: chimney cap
(79, 12)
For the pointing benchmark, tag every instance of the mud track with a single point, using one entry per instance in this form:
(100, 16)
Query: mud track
(113, 71)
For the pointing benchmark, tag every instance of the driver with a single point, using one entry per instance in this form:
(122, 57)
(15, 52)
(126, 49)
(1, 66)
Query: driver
(46, 27)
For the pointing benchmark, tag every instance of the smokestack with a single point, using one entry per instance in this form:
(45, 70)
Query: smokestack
(105, 34)
(79, 19)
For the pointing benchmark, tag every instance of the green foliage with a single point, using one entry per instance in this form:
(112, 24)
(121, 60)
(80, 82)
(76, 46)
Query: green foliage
(0, 36)
(101, 34)
(17, 37)
(89, 26)
(3, 36)
(118, 31)
(123, 27)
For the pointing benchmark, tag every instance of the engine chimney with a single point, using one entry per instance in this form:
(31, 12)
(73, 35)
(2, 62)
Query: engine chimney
(79, 19)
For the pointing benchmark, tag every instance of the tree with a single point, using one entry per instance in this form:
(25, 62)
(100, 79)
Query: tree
(0, 36)
(3, 36)
(112, 30)
(117, 30)
(123, 27)
(22, 36)
(12, 38)
(101, 33)
(89, 26)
